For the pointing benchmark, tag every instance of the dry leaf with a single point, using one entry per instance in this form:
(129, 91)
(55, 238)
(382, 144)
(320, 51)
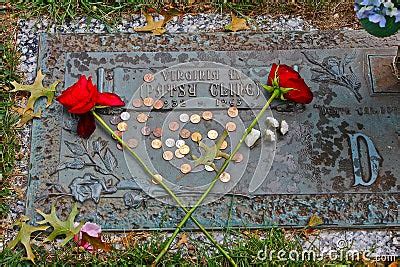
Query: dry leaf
(183, 240)
(155, 27)
(315, 220)
(26, 115)
(237, 24)
(96, 242)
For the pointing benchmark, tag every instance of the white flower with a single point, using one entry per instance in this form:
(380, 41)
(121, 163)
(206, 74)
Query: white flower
(272, 122)
(284, 127)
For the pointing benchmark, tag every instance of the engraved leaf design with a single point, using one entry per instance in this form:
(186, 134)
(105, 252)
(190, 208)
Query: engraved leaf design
(76, 149)
(110, 162)
(98, 145)
(75, 164)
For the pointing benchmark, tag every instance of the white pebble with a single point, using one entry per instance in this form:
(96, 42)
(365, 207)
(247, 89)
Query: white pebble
(284, 127)
(252, 137)
(272, 122)
(270, 136)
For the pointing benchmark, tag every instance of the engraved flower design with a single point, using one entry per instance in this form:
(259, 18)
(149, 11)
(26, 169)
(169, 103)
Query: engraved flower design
(89, 187)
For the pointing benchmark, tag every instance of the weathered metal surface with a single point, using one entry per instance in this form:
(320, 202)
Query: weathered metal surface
(340, 158)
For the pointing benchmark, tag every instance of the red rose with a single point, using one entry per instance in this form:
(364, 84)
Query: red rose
(81, 98)
(287, 77)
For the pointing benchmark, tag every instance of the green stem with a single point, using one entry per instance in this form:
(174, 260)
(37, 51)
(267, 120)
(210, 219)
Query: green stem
(210, 187)
(166, 188)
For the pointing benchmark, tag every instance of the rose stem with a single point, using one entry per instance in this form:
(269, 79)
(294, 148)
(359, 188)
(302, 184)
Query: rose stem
(213, 182)
(166, 188)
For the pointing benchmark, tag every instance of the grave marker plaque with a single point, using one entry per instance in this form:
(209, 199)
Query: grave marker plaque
(339, 159)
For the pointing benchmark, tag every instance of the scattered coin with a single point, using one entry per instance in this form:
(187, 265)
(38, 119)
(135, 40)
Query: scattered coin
(195, 118)
(117, 133)
(145, 130)
(132, 143)
(156, 143)
(184, 150)
(196, 136)
(157, 132)
(141, 117)
(224, 145)
(156, 179)
(207, 115)
(179, 143)
(119, 146)
(122, 126)
(184, 133)
(230, 126)
(233, 112)
(173, 126)
(208, 168)
(170, 142)
(115, 120)
(225, 177)
(185, 168)
(184, 117)
(148, 77)
(212, 134)
(137, 103)
(125, 116)
(158, 104)
(238, 157)
(178, 154)
(148, 101)
(168, 155)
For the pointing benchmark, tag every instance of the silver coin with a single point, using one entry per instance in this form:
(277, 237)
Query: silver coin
(184, 117)
(170, 142)
(125, 116)
(115, 120)
(208, 168)
(179, 143)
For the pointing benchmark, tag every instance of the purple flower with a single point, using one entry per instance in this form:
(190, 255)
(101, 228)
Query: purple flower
(378, 18)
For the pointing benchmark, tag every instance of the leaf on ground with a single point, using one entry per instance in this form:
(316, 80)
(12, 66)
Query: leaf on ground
(24, 236)
(66, 228)
(96, 242)
(237, 24)
(26, 115)
(155, 27)
(315, 220)
(183, 240)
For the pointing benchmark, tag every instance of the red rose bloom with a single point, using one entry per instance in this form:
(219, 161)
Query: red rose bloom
(289, 78)
(81, 98)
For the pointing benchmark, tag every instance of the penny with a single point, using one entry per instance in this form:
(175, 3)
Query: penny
(132, 143)
(184, 150)
(230, 126)
(208, 168)
(195, 118)
(156, 179)
(137, 103)
(141, 117)
(179, 143)
(173, 126)
(233, 112)
(212, 134)
(145, 130)
(178, 154)
(125, 116)
(148, 77)
(184, 133)
(185, 168)
(148, 101)
(207, 115)
(117, 133)
(224, 145)
(196, 136)
(156, 143)
(225, 177)
(238, 157)
(184, 117)
(168, 155)
(158, 104)
(122, 126)
(157, 132)
(115, 120)
(119, 146)
(170, 142)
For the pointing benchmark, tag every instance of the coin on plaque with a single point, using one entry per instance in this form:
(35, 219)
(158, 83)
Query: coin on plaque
(184, 117)
(170, 142)
(186, 168)
(157, 179)
(195, 118)
(158, 104)
(184, 150)
(168, 155)
(132, 142)
(137, 102)
(141, 117)
(212, 134)
(119, 146)
(115, 120)
(178, 154)
(117, 133)
(238, 157)
(233, 112)
(196, 136)
(148, 101)
(157, 132)
(225, 177)
(145, 130)
(224, 145)
(207, 115)
(179, 143)
(230, 126)
(122, 126)
(208, 168)
(156, 143)
(125, 116)
(148, 77)
(173, 126)
(184, 133)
